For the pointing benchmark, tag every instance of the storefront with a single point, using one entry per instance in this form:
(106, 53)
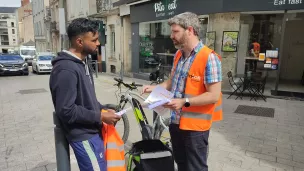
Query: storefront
(229, 27)
(151, 43)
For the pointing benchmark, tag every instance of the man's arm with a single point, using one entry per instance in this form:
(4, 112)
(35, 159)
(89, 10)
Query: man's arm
(65, 90)
(211, 96)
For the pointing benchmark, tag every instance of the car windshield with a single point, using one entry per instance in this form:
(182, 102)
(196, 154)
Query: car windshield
(10, 58)
(28, 52)
(46, 58)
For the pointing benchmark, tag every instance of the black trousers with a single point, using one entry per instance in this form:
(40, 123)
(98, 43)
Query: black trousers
(189, 148)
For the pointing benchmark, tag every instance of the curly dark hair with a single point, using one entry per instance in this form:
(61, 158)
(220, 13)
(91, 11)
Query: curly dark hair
(81, 26)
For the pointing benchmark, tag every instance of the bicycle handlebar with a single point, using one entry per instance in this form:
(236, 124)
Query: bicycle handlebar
(132, 86)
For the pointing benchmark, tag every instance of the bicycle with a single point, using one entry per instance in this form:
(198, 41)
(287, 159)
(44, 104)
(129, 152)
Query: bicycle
(148, 131)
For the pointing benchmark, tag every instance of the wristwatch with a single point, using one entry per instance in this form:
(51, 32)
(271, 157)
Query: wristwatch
(187, 104)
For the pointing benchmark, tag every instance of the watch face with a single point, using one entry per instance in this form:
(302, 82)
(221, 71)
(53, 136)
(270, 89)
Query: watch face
(187, 104)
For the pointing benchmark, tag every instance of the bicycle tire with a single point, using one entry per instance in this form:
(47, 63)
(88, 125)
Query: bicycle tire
(125, 120)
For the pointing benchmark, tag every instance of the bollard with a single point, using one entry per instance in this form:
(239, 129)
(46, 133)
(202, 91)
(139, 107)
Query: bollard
(96, 68)
(61, 146)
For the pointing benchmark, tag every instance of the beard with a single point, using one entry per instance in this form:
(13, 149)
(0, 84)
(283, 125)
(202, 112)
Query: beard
(179, 44)
(88, 50)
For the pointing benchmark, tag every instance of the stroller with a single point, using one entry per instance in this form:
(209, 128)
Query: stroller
(149, 154)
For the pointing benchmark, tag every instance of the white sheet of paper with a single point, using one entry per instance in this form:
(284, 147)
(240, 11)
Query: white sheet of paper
(123, 111)
(158, 97)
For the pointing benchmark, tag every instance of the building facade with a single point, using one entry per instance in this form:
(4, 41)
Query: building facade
(54, 26)
(8, 29)
(115, 37)
(229, 27)
(25, 26)
(41, 20)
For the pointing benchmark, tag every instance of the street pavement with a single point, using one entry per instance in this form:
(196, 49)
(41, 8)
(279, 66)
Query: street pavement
(238, 143)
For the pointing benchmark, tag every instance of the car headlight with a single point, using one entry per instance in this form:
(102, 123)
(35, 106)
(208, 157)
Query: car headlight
(1, 66)
(41, 65)
(24, 65)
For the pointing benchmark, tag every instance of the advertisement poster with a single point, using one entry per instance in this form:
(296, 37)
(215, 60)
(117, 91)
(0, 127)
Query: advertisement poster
(230, 41)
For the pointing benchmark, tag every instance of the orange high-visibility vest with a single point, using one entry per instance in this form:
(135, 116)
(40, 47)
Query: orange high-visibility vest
(114, 148)
(198, 118)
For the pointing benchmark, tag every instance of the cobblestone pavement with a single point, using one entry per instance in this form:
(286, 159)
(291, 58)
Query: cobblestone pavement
(238, 143)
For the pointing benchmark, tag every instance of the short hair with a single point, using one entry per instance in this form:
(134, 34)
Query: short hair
(186, 20)
(81, 26)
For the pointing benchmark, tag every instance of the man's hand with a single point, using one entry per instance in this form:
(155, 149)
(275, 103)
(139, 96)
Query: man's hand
(147, 89)
(109, 117)
(175, 104)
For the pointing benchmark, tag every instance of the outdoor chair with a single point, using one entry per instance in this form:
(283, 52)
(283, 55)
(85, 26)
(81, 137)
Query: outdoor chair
(236, 86)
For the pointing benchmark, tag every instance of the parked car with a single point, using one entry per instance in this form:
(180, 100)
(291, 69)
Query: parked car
(13, 64)
(43, 63)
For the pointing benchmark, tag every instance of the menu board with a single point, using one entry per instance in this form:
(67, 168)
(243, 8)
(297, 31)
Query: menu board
(271, 60)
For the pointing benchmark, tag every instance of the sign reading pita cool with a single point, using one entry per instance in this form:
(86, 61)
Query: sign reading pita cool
(165, 7)
(287, 2)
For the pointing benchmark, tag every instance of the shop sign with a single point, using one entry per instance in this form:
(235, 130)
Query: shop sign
(165, 8)
(287, 2)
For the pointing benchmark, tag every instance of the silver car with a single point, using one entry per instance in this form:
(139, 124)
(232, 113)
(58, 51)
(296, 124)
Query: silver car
(42, 63)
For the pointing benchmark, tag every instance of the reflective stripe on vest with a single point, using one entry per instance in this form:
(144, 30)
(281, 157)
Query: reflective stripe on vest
(193, 115)
(218, 108)
(113, 146)
(116, 163)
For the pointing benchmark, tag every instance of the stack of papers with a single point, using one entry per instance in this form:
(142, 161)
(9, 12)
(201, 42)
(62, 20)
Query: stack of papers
(158, 97)
(123, 111)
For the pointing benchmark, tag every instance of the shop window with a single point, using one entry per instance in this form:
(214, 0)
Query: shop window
(264, 29)
(155, 45)
(258, 34)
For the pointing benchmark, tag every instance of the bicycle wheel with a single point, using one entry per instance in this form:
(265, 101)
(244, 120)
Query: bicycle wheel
(163, 135)
(122, 124)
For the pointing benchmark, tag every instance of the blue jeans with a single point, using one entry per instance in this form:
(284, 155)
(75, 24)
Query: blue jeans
(90, 154)
(189, 148)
